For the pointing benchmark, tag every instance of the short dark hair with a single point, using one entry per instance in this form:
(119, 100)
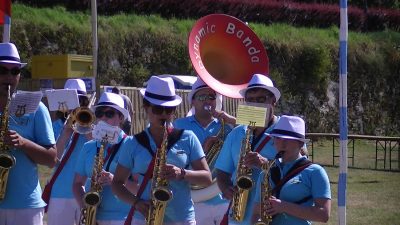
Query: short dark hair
(115, 90)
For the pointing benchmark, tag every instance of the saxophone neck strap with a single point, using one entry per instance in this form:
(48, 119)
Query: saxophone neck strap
(262, 144)
(276, 175)
(112, 151)
(143, 139)
(147, 176)
(173, 137)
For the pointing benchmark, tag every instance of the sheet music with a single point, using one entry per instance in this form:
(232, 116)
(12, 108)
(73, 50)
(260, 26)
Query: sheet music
(62, 99)
(24, 102)
(252, 112)
(105, 132)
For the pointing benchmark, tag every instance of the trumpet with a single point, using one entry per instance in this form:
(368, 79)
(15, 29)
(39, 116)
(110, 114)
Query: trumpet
(82, 118)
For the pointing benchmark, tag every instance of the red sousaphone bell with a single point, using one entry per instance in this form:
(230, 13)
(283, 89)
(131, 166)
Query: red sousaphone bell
(225, 53)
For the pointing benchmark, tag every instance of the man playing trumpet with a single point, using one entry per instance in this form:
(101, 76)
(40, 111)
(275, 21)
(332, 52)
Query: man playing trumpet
(62, 207)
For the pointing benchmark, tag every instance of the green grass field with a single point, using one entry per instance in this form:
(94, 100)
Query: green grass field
(372, 196)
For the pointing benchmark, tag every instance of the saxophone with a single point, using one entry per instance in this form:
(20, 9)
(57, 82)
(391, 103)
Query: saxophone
(244, 182)
(160, 194)
(266, 193)
(7, 161)
(92, 198)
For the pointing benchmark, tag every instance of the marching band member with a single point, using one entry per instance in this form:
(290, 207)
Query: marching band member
(31, 141)
(259, 90)
(303, 194)
(183, 150)
(62, 207)
(205, 122)
(111, 211)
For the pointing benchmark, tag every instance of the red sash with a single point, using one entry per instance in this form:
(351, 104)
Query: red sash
(49, 186)
(147, 177)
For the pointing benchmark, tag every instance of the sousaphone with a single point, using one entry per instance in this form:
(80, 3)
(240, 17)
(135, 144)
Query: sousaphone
(225, 53)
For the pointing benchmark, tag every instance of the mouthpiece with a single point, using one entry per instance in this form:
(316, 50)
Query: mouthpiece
(207, 108)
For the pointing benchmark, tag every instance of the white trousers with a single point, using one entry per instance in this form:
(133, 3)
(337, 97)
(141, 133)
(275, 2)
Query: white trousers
(21, 216)
(142, 222)
(63, 211)
(110, 222)
(207, 214)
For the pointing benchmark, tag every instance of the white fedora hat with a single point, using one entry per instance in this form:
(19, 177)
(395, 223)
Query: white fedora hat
(9, 54)
(261, 81)
(290, 127)
(161, 91)
(198, 85)
(77, 84)
(111, 100)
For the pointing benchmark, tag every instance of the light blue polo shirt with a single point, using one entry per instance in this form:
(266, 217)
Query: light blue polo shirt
(190, 123)
(229, 157)
(110, 208)
(312, 181)
(62, 187)
(186, 150)
(57, 128)
(23, 188)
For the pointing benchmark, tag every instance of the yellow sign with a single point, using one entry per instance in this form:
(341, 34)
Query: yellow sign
(256, 113)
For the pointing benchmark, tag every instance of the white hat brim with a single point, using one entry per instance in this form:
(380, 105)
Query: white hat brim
(154, 101)
(13, 62)
(290, 137)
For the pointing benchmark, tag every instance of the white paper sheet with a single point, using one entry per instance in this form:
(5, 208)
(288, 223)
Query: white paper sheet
(24, 102)
(62, 99)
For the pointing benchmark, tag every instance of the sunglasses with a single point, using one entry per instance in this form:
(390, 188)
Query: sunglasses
(13, 71)
(203, 98)
(158, 110)
(100, 113)
(261, 99)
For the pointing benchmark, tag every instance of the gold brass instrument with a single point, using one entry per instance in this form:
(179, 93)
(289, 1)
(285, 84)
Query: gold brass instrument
(226, 70)
(160, 194)
(266, 192)
(92, 198)
(82, 118)
(212, 153)
(244, 182)
(7, 161)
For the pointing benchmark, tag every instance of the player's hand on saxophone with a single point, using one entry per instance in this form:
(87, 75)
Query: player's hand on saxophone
(275, 206)
(13, 139)
(172, 172)
(105, 178)
(254, 160)
(209, 142)
(142, 207)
